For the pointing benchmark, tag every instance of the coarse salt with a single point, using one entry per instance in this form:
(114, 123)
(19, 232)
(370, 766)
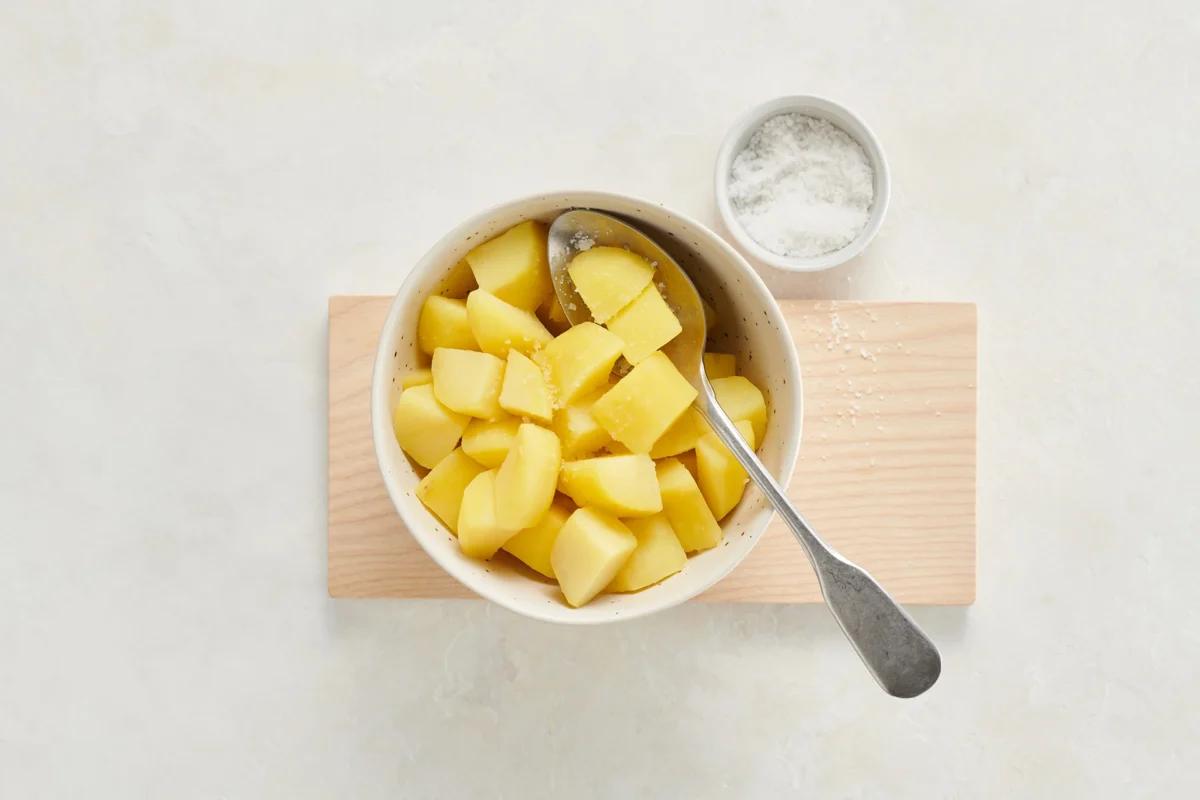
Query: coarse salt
(802, 186)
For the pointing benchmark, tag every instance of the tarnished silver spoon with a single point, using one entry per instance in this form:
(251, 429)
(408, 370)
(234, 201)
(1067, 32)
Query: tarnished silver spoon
(898, 653)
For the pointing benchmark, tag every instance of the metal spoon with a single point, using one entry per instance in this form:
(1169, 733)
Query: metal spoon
(898, 654)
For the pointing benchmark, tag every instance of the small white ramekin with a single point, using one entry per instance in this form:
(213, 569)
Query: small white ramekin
(740, 133)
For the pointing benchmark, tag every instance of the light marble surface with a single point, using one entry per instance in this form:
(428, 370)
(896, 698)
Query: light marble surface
(182, 185)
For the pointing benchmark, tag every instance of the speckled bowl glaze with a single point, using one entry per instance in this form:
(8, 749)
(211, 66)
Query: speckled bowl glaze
(750, 325)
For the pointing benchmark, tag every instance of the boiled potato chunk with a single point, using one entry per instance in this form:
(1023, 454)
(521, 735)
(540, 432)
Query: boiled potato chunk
(499, 326)
(681, 436)
(719, 365)
(590, 549)
(608, 279)
(416, 378)
(443, 323)
(645, 403)
(441, 490)
(722, 479)
(658, 555)
(468, 381)
(527, 478)
(579, 360)
(553, 314)
(645, 325)
(685, 507)
(513, 266)
(479, 535)
(534, 545)
(489, 440)
(578, 430)
(426, 429)
(621, 485)
(741, 399)
(524, 391)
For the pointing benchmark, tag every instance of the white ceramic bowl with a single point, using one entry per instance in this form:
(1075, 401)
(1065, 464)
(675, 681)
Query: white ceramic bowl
(740, 133)
(751, 326)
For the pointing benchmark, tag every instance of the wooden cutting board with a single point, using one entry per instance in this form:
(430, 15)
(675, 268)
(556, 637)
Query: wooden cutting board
(886, 471)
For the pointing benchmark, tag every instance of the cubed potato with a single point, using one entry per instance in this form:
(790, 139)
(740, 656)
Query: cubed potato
(553, 315)
(741, 399)
(441, 490)
(608, 279)
(681, 436)
(527, 478)
(524, 391)
(513, 266)
(579, 361)
(685, 507)
(645, 325)
(580, 433)
(658, 555)
(443, 323)
(499, 326)
(590, 549)
(534, 545)
(489, 440)
(621, 485)
(479, 535)
(468, 381)
(426, 429)
(721, 478)
(458, 282)
(719, 365)
(645, 403)
(710, 314)
(416, 378)
(688, 459)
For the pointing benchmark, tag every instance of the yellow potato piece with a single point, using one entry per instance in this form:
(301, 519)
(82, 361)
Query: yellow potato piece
(424, 428)
(499, 326)
(524, 391)
(443, 323)
(441, 490)
(685, 507)
(688, 460)
(489, 440)
(681, 436)
(608, 279)
(590, 549)
(645, 325)
(579, 361)
(622, 485)
(553, 315)
(479, 535)
(527, 478)
(468, 381)
(416, 378)
(580, 433)
(721, 478)
(645, 403)
(741, 399)
(658, 555)
(719, 365)
(513, 266)
(534, 545)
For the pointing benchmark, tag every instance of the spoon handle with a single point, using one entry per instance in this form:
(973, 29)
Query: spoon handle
(897, 653)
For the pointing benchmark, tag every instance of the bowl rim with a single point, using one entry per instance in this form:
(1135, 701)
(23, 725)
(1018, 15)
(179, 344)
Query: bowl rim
(381, 413)
(824, 108)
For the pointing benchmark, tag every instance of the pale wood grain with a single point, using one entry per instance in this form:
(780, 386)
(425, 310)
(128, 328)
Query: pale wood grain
(886, 471)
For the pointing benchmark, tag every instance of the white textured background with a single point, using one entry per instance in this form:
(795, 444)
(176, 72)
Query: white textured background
(183, 184)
